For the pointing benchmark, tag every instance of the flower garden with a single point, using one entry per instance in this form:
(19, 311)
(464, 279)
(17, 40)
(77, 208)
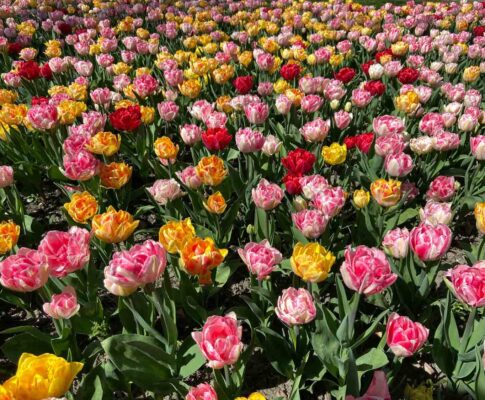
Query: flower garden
(219, 200)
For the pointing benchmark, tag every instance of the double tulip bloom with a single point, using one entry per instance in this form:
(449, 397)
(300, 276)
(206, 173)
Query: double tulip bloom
(220, 340)
(311, 262)
(403, 336)
(295, 307)
(260, 258)
(366, 270)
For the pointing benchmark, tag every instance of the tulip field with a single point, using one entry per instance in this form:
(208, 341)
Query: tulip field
(242, 200)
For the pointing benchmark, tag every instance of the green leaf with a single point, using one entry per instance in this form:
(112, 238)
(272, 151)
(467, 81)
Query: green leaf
(189, 358)
(480, 381)
(370, 330)
(94, 386)
(140, 359)
(278, 351)
(374, 359)
(31, 341)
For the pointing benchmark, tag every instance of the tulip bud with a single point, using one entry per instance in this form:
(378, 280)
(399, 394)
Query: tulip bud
(361, 198)
(335, 104)
(348, 106)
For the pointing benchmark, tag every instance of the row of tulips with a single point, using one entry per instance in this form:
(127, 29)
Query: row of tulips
(188, 188)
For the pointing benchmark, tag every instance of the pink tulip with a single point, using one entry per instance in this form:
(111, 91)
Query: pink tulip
(25, 271)
(311, 223)
(42, 117)
(436, 213)
(66, 252)
(260, 258)
(445, 141)
(256, 113)
(203, 391)
(431, 123)
(366, 270)
(295, 307)
(342, 119)
(390, 144)
(101, 96)
(130, 269)
(220, 340)
(361, 98)
(200, 109)
(249, 141)
(315, 131)
(145, 85)
(6, 176)
(165, 190)
(271, 145)
(398, 164)
(442, 188)
(396, 243)
(313, 184)
(467, 122)
(190, 134)
(311, 103)
(405, 337)
(329, 201)
(189, 177)
(267, 195)
(477, 146)
(81, 166)
(430, 242)
(386, 125)
(378, 389)
(283, 104)
(168, 110)
(62, 306)
(469, 283)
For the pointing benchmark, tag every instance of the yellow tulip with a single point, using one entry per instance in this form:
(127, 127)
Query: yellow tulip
(334, 154)
(41, 377)
(311, 262)
(361, 198)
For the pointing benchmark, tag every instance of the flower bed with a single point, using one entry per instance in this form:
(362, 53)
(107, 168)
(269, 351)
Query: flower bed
(195, 191)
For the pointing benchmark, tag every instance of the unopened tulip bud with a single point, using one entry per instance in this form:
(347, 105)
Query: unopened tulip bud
(334, 104)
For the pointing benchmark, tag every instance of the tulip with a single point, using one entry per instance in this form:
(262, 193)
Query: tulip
(405, 337)
(199, 256)
(430, 242)
(165, 190)
(398, 164)
(130, 269)
(469, 283)
(442, 188)
(215, 204)
(421, 145)
(311, 262)
(477, 146)
(6, 176)
(295, 307)
(361, 198)
(211, 170)
(82, 207)
(260, 258)
(396, 243)
(334, 154)
(311, 223)
(315, 131)
(220, 340)
(203, 391)
(386, 193)
(114, 226)
(330, 201)
(479, 213)
(312, 185)
(66, 252)
(266, 195)
(271, 145)
(366, 270)
(9, 235)
(436, 213)
(62, 306)
(41, 377)
(386, 125)
(25, 271)
(249, 141)
(175, 234)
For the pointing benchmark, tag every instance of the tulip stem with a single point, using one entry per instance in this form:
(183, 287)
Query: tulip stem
(465, 338)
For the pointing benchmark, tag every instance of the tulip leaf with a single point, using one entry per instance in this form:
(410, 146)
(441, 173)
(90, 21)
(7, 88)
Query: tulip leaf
(189, 358)
(140, 359)
(30, 341)
(374, 359)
